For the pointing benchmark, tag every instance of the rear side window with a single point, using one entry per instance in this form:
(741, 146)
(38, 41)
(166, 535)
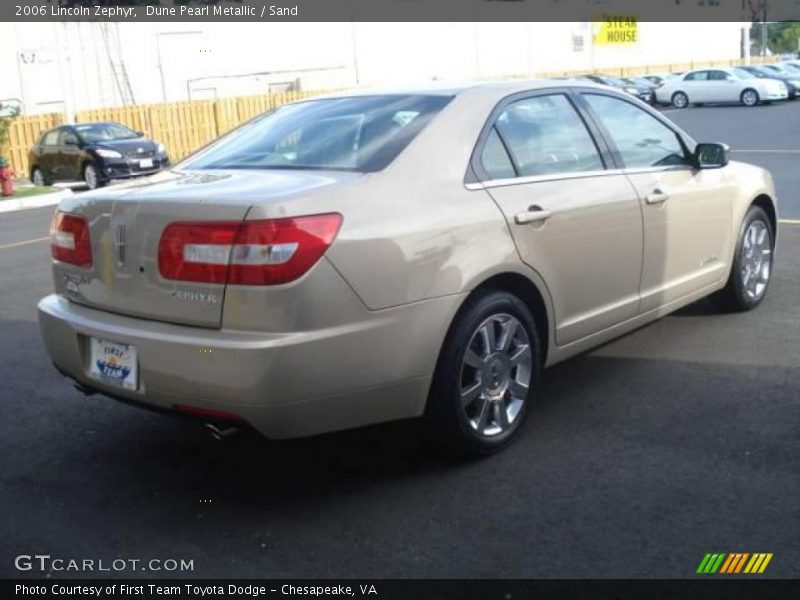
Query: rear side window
(360, 133)
(545, 135)
(642, 140)
(51, 138)
(495, 159)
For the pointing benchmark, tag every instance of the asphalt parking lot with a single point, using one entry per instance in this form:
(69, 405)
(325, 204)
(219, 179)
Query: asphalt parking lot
(679, 439)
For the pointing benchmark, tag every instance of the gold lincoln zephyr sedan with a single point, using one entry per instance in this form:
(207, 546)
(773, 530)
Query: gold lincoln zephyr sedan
(382, 255)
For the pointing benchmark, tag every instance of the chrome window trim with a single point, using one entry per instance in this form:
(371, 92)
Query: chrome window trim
(494, 183)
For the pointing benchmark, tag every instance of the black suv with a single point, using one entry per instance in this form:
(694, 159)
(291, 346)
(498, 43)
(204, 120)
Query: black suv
(94, 153)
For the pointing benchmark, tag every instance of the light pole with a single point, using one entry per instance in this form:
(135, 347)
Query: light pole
(160, 62)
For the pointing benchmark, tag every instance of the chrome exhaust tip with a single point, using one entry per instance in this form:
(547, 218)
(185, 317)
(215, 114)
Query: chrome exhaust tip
(221, 434)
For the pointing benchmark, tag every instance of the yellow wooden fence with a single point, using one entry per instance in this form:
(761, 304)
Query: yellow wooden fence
(183, 127)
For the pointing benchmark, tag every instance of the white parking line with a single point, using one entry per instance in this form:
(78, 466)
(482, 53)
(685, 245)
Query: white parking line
(25, 243)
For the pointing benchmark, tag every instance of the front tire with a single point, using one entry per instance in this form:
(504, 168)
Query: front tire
(749, 97)
(752, 264)
(486, 375)
(91, 178)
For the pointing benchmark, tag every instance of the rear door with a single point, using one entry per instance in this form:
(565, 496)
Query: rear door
(687, 211)
(48, 153)
(575, 222)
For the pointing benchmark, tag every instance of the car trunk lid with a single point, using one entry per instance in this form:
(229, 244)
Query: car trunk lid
(126, 223)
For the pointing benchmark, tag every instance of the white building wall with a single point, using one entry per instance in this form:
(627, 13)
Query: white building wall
(56, 65)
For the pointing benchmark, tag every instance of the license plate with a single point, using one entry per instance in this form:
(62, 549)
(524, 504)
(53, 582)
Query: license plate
(146, 163)
(114, 364)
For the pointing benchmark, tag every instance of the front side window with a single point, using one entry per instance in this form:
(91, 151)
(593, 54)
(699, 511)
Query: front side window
(642, 140)
(545, 135)
(360, 133)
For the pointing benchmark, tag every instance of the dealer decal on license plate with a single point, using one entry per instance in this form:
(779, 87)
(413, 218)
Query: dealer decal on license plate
(114, 364)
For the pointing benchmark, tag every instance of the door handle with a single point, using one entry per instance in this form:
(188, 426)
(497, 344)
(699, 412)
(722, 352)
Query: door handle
(656, 197)
(534, 214)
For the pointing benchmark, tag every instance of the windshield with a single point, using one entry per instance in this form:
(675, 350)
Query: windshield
(791, 68)
(104, 132)
(361, 133)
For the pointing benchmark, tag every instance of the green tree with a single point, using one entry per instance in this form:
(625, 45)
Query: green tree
(782, 38)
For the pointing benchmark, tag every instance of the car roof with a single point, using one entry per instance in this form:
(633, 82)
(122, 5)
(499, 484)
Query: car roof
(497, 88)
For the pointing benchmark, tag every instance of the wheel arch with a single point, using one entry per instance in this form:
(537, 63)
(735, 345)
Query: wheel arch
(767, 204)
(527, 291)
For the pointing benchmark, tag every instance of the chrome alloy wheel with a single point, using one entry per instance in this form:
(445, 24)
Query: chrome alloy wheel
(495, 374)
(749, 98)
(38, 178)
(90, 176)
(756, 260)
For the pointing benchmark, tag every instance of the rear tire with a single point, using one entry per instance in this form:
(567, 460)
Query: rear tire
(486, 376)
(749, 97)
(751, 270)
(680, 100)
(38, 179)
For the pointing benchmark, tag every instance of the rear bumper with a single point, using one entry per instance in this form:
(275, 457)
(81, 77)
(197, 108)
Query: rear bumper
(282, 384)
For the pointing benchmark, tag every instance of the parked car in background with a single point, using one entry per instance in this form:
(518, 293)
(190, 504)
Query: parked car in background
(792, 82)
(372, 256)
(94, 153)
(642, 91)
(718, 86)
(644, 86)
(792, 67)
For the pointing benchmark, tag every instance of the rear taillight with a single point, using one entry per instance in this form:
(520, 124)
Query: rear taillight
(69, 239)
(264, 252)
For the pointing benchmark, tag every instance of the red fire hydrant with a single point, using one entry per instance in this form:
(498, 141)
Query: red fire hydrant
(6, 179)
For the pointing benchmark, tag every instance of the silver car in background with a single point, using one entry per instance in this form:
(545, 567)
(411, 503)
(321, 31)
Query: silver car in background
(712, 86)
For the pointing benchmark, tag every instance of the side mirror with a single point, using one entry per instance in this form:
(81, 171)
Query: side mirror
(70, 140)
(139, 133)
(711, 155)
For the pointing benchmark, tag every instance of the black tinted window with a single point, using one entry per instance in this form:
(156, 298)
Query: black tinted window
(642, 140)
(546, 135)
(362, 133)
(495, 159)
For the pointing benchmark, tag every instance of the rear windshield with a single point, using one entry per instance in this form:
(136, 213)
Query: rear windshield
(353, 134)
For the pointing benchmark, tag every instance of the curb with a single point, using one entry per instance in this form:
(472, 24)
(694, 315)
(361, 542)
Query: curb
(34, 202)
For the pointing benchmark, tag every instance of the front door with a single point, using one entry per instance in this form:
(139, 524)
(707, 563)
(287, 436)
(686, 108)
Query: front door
(687, 211)
(574, 222)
